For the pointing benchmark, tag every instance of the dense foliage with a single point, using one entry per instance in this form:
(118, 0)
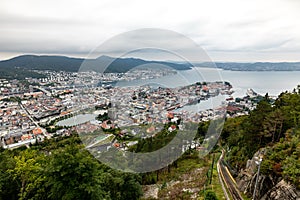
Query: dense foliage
(151, 144)
(62, 170)
(283, 159)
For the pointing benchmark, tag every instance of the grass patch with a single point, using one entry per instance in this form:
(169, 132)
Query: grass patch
(185, 164)
(186, 180)
(215, 184)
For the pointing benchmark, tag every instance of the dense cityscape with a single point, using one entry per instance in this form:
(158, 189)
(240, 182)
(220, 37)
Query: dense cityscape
(29, 108)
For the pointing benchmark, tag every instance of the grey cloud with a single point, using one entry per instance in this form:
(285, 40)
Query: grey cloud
(215, 29)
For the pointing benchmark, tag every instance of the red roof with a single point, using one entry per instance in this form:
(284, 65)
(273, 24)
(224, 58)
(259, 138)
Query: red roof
(173, 126)
(233, 108)
(37, 131)
(170, 115)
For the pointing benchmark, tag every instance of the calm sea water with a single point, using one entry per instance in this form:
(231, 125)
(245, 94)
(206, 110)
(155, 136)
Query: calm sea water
(273, 82)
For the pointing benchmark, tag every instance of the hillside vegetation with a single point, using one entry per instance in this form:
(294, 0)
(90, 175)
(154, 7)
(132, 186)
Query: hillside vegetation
(62, 169)
(274, 126)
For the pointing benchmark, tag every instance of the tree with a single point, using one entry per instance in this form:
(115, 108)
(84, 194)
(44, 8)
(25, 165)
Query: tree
(72, 173)
(9, 187)
(210, 195)
(272, 126)
(62, 171)
(27, 172)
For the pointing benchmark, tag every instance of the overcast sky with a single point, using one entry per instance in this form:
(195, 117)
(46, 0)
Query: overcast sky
(228, 30)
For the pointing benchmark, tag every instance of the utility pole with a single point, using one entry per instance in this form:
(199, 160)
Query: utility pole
(258, 162)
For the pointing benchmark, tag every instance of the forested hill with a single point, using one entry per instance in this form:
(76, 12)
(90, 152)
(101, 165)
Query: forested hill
(273, 126)
(42, 63)
(19, 67)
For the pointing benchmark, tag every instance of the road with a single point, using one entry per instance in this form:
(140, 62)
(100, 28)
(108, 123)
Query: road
(226, 178)
(29, 115)
(34, 121)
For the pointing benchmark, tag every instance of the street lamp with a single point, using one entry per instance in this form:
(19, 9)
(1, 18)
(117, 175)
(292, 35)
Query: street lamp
(258, 162)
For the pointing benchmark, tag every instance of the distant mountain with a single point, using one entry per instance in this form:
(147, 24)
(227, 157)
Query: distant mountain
(43, 62)
(21, 66)
(257, 66)
(120, 65)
